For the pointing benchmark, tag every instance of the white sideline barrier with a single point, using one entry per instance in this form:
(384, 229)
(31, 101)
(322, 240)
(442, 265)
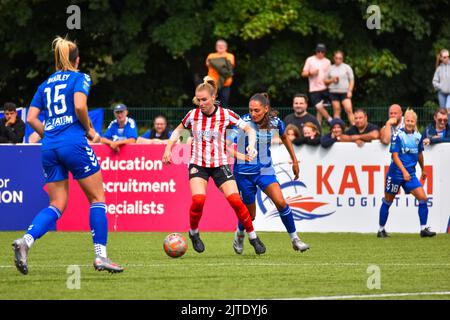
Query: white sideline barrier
(344, 186)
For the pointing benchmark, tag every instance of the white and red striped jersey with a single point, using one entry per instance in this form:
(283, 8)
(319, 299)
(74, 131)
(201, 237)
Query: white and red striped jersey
(208, 146)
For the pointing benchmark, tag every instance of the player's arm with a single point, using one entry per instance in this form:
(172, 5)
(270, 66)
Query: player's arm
(400, 165)
(173, 139)
(251, 133)
(34, 122)
(81, 110)
(422, 166)
(234, 153)
(288, 144)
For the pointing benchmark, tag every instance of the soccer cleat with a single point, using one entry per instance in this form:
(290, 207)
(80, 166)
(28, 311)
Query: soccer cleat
(197, 243)
(258, 245)
(20, 248)
(382, 234)
(427, 233)
(298, 245)
(101, 264)
(238, 243)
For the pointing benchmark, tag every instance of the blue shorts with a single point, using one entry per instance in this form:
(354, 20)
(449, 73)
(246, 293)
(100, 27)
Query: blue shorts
(248, 183)
(393, 184)
(79, 159)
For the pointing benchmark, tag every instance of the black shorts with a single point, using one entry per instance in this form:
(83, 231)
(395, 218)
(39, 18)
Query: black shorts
(335, 96)
(318, 96)
(220, 175)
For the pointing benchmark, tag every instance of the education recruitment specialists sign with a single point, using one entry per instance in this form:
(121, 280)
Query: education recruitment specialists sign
(340, 190)
(143, 194)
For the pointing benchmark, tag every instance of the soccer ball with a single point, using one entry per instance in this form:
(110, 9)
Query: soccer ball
(175, 245)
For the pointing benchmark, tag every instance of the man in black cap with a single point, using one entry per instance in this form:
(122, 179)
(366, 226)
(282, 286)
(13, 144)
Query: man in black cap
(12, 128)
(316, 70)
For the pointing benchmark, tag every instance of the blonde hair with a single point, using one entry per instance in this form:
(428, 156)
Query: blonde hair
(411, 112)
(66, 54)
(312, 126)
(208, 85)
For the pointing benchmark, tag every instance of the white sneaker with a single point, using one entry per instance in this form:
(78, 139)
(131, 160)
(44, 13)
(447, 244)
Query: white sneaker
(238, 243)
(299, 245)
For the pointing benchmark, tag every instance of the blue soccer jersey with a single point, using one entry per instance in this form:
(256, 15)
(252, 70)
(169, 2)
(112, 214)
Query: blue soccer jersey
(55, 98)
(263, 162)
(115, 133)
(408, 146)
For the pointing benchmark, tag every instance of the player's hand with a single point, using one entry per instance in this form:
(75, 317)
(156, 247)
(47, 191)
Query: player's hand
(93, 136)
(167, 157)
(406, 176)
(11, 120)
(392, 121)
(423, 177)
(295, 169)
(252, 153)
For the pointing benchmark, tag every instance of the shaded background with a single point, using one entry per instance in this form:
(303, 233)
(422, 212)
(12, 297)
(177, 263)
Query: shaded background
(151, 54)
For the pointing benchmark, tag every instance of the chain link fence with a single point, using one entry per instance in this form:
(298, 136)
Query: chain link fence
(144, 115)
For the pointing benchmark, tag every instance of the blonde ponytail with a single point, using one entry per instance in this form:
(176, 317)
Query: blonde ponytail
(66, 53)
(209, 85)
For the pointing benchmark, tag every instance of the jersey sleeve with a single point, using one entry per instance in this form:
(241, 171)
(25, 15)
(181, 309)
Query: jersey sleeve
(420, 146)
(187, 122)
(146, 134)
(83, 84)
(281, 127)
(133, 130)
(109, 131)
(37, 101)
(396, 144)
(235, 120)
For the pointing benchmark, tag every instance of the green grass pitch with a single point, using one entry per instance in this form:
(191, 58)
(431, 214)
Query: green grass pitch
(336, 265)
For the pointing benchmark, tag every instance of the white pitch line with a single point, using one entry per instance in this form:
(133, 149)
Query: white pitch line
(164, 265)
(362, 296)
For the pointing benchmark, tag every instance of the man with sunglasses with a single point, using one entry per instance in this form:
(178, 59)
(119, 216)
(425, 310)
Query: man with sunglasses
(439, 131)
(441, 81)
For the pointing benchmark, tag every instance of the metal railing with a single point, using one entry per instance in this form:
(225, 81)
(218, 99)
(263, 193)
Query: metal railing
(144, 115)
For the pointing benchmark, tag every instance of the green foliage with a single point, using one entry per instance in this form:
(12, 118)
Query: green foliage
(152, 52)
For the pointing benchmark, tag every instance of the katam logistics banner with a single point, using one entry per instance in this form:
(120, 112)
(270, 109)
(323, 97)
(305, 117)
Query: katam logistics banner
(339, 190)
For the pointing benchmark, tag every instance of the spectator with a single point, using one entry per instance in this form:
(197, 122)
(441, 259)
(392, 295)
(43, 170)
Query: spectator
(393, 125)
(441, 81)
(439, 131)
(292, 132)
(337, 129)
(121, 131)
(310, 135)
(300, 116)
(160, 133)
(362, 131)
(220, 67)
(12, 128)
(341, 81)
(316, 69)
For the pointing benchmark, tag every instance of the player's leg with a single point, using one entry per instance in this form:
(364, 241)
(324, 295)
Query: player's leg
(347, 104)
(273, 191)
(384, 213)
(198, 182)
(81, 160)
(224, 180)
(57, 186)
(419, 194)
(247, 189)
(336, 105)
